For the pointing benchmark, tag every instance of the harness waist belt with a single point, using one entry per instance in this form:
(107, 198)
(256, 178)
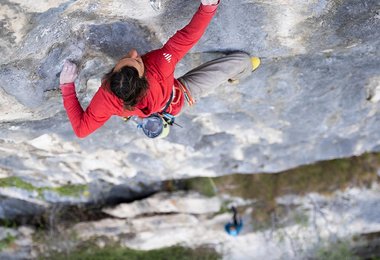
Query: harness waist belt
(163, 110)
(186, 93)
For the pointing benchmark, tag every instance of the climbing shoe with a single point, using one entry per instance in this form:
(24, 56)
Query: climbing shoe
(255, 63)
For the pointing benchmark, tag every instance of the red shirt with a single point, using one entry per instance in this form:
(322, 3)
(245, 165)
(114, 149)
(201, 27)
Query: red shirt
(159, 71)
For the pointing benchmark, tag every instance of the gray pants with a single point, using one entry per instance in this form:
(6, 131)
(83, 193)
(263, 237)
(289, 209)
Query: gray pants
(207, 77)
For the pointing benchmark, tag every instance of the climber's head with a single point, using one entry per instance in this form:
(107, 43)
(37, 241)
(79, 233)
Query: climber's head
(133, 60)
(127, 80)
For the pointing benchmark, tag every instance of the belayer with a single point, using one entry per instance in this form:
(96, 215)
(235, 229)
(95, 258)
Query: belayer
(234, 227)
(144, 87)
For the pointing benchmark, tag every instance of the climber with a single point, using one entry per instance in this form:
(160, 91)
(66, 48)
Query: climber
(234, 227)
(144, 86)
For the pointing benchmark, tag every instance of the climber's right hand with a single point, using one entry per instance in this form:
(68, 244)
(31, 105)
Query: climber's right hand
(209, 2)
(69, 73)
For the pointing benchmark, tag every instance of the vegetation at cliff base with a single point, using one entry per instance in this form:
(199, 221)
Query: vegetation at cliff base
(323, 177)
(69, 190)
(336, 251)
(6, 242)
(115, 253)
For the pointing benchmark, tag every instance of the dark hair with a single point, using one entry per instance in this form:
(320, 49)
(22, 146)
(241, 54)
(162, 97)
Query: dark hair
(127, 85)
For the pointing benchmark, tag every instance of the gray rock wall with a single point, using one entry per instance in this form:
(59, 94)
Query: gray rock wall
(314, 97)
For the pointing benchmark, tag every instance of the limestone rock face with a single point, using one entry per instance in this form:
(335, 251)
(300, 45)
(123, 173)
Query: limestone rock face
(167, 203)
(314, 97)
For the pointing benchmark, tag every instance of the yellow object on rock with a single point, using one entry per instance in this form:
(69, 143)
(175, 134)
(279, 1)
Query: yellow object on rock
(255, 63)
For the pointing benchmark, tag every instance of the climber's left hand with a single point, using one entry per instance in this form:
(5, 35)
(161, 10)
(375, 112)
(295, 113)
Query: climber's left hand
(210, 2)
(69, 73)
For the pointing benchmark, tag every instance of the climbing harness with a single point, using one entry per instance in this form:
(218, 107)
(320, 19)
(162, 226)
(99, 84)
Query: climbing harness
(186, 93)
(157, 125)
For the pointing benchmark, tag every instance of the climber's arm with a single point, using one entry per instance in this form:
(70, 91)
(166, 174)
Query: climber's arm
(82, 122)
(183, 40)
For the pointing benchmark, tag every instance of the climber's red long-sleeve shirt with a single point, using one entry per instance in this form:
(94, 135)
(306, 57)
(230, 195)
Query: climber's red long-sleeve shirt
(159, 71)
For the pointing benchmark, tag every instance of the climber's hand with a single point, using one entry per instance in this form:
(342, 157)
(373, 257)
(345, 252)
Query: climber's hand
(69, 73)
(209, 2)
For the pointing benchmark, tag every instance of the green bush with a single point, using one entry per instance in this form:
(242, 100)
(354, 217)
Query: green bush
(6, 242)
(65, 190)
